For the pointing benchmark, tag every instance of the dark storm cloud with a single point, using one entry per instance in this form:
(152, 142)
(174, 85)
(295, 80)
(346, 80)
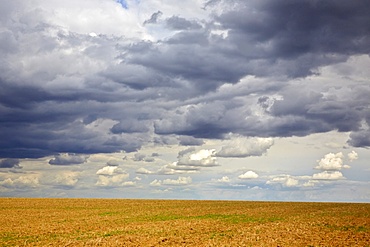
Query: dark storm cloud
(265, 38)
(343, 113)
(198, 66)
(302, 110)
(55, 127)
(281, 38)
(293, 28)
(130, 126)
(311, 30)
(68, 92)
(360, 138)
(42, 116)
(21, 97)
(190, 141)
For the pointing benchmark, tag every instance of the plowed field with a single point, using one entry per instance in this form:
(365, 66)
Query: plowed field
(108, 222)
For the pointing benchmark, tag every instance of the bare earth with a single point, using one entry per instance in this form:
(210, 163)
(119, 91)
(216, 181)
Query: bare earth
(111, 222)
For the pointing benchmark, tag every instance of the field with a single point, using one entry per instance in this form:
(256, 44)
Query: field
(111, 222)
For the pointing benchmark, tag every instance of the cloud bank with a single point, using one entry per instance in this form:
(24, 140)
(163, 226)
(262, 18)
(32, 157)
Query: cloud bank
(62, 88)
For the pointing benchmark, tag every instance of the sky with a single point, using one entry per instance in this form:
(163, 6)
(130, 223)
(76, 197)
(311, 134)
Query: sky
(192, 99)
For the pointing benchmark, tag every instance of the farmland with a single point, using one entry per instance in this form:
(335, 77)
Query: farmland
(124, 222)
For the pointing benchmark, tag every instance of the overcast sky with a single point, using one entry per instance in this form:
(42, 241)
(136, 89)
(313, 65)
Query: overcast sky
(236, 99)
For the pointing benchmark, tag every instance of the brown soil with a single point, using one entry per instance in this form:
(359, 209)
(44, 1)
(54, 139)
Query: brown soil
(100, 222)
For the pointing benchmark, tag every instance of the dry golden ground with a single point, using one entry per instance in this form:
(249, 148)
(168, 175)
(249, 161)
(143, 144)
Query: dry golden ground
(108, 222)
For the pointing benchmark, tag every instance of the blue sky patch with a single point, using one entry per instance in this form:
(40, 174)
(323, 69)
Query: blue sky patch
(123, 3)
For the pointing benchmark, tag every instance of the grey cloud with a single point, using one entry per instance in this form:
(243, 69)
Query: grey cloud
(174, 168)
(179, 23)
(202, 67)
(153, 18)
(264, 39)
(342, 116)
(130, 126)
(165, 139)
(264, 102)
(295, 104)
(303, 32)
(8, 42)
(300, 110)
(41, 139)
(143, 157)
(137, 77)
(9, 163)
(294, 28)
(201, 158)
(211, 3)
(68, 159)
(139, 157)
(360, 138)
(186, 151)
(325, 112)
(212, 119)
(149, 159)
(190, 141)
(113, 163)
(21, 97)
(197, 37)
(242, 147)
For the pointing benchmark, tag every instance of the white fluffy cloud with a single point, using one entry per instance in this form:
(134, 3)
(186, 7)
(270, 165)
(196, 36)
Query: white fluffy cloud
(352, 156)
(111, 176)
(284, 180)
(245, 147)
(66, 178)
(327, 175)
(156, 182)
(109, 171)
(330, 165)
(95, 16)
(128, 184)
(291, 182)
(143, 170)
(332, 162)
(175, 168)
(189, 161)
(116, 180)
(224, 179)
(23, 182)
(180, 181)
(248, 175)
(202, 158)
